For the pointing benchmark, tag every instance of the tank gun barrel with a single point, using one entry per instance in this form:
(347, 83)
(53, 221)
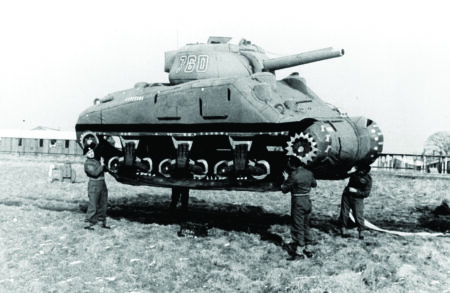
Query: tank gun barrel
(302, 58)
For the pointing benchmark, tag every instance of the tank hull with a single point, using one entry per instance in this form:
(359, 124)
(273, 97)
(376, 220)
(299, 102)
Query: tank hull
(229, 133)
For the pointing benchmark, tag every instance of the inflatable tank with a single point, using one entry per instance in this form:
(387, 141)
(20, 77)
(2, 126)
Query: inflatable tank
(223, 121)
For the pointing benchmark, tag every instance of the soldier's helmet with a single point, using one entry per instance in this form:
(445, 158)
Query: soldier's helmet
(295, 162)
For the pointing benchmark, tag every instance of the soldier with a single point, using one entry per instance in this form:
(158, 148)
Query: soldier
(97, 190)
(357, 189)
(299, 181)
(178, 192)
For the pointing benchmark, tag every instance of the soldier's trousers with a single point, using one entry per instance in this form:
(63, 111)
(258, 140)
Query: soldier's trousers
(300, 210)
(98, 201)
(357, 206)
(178, 192)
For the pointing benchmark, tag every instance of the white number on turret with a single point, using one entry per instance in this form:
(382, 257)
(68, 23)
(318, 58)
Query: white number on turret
(192, 59)
(181, 63)
(192, 63)
(202, 64)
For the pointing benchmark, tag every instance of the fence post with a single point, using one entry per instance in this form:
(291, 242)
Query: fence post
(425, 164)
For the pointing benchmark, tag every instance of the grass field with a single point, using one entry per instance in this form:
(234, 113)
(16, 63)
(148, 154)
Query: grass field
(44, 248)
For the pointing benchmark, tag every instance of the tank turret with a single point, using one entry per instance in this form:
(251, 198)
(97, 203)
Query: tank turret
(217, 58)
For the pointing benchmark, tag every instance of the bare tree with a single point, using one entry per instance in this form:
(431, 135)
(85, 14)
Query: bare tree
(438, 144)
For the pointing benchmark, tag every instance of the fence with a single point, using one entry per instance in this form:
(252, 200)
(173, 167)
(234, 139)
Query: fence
(411, 162)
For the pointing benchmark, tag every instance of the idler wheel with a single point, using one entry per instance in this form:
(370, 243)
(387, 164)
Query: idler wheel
(114, 163)
(88, 138)
(303, 146)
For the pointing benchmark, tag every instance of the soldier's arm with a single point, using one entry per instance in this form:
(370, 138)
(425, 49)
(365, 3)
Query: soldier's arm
(94, 170)
(288, 184)
(313, 182)
(366, 188)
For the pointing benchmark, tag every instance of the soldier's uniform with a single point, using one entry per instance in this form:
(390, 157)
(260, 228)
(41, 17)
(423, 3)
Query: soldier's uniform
(357, 189)
(299, 183)
(97, 192)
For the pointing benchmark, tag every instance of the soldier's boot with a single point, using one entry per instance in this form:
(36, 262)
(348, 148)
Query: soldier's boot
(299, 254)
(89, 226)
(296, 257)
(361, 235)
(104, 226)
(307, 252)
(291, 247)
(344, 233)
(294, 250)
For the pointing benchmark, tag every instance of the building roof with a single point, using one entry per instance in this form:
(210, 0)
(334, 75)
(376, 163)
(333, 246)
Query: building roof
(42, 134)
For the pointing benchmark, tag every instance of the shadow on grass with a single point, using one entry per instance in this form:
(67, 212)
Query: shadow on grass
(426, 220)
(148, 209)
(434, 219)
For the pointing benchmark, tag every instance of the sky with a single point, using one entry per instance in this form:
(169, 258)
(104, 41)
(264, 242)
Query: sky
(56, 57)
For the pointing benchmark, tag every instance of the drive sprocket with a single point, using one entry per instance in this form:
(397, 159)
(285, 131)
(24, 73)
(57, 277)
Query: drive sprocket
(303, 146)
